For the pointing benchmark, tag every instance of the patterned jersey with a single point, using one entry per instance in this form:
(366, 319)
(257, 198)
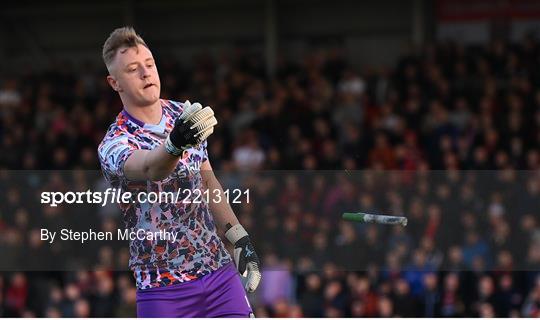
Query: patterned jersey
(198, 250)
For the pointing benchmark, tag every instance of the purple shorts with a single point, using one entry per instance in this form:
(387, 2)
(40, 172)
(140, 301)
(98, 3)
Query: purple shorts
(219, 294)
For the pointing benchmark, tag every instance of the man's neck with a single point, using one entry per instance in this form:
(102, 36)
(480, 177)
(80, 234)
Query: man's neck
(149, 114)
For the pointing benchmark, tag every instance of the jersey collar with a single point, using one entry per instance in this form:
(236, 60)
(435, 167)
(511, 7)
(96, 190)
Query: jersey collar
(155, 128)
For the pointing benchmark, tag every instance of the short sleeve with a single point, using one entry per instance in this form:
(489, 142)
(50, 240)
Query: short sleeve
(113, 154)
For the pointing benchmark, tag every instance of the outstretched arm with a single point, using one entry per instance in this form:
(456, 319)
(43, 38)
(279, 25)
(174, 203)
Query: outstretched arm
(151, 165)
(191, 128)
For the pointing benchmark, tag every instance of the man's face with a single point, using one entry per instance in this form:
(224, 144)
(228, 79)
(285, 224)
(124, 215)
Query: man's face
(134, 75)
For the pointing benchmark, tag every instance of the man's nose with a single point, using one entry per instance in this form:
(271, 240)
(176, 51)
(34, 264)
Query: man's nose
(145, 72)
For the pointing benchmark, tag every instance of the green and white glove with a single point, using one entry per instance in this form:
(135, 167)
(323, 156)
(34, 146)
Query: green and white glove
(245, 257)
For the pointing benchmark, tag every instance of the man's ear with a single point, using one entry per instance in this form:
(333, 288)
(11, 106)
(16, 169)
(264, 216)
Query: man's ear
(113, 83)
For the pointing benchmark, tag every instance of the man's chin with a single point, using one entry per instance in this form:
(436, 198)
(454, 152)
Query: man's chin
(148, 101)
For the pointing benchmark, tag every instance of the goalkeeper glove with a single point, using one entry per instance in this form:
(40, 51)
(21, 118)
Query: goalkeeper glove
(245, 257)
(193, 126)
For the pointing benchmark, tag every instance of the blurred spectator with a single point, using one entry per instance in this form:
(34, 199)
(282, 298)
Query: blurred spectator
(9, 95)
(386, 308)
(104, 300)
(451, 301)
(414, 273)
(82, 309)
(335, 299)
(127, 307)
(16, 295)
(531, 307)
(508, 299)
(474, 248)
(486, 297)
(311, 298)
(71, 295)
(248, 155)
(432, 299)
(405, 303)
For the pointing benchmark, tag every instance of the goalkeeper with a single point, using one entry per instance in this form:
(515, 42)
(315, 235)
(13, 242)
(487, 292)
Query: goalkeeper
(160, 145)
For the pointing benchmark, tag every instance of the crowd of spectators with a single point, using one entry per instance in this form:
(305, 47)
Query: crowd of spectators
(472, 247)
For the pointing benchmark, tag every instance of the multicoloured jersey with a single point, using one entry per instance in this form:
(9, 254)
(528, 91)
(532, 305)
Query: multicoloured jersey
(160, 262)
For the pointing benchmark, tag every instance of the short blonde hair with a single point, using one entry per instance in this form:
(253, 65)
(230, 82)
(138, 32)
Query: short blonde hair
(120, 38)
